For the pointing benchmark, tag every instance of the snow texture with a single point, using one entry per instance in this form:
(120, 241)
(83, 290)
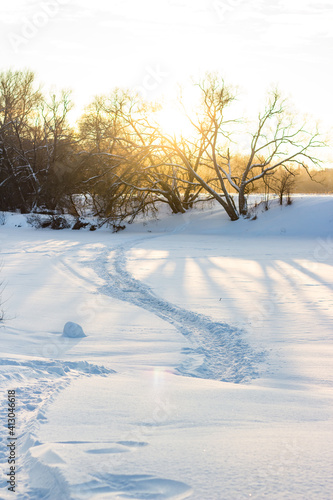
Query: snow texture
(207, 370)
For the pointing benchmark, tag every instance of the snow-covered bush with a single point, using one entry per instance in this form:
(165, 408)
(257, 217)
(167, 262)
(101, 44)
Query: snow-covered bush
(80, 224)
(59, 222)
(38, 221)
(53, 221)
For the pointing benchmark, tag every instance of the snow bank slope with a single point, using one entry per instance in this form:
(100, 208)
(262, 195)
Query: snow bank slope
(306, 217)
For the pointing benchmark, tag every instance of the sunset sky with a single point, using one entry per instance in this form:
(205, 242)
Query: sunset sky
(93, 46)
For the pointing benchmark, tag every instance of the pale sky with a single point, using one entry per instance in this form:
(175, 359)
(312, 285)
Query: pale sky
(93, 46)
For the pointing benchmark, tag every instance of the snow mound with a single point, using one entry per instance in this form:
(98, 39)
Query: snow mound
(46, 455)
(73, 330)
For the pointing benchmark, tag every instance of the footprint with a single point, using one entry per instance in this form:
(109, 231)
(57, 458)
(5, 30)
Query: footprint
(133, 487)
(41, 415)
(118, 447)
(30, 407)
(133, 444)
(113, 449)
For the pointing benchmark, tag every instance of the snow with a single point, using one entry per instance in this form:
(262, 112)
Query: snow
(73, 330)
(206, 370)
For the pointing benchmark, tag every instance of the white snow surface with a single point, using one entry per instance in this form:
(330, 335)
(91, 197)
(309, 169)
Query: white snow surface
(73, 330)
(206, 372)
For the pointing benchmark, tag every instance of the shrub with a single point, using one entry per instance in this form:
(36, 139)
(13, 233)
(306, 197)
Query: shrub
(59, 222)
(53, 221)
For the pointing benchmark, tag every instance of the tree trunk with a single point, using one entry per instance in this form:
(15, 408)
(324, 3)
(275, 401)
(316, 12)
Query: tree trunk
(242, 202)
(175, 204)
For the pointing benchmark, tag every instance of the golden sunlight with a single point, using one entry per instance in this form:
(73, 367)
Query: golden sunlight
(172, 121)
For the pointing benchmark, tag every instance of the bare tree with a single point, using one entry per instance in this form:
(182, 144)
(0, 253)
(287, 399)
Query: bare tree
(55, 148)
(147, 172)
(19, 100)
(127, 160)
(177, 170)
(205, 157)
(277, 142)
(101, 156)
(35, 140)
(281, 182)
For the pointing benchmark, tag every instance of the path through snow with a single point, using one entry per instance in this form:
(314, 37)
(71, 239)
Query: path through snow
(216, 351)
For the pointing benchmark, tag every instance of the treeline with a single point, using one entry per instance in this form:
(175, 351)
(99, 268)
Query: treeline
(320, 182)
(117, 157)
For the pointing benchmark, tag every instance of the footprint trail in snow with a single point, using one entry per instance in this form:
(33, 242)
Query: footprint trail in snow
(217, 350)
(36, 382)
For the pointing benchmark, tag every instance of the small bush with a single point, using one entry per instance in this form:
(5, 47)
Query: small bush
(53, 222)
(59, 222)
(79, 224)
(36, 221)
(118, 227)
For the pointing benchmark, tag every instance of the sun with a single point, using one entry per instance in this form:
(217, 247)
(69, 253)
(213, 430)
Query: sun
(172, 121)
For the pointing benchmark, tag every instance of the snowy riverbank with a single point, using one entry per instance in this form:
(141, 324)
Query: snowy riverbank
(206, 371)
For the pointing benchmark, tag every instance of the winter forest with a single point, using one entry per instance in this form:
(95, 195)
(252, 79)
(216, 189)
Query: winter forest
(118, 156)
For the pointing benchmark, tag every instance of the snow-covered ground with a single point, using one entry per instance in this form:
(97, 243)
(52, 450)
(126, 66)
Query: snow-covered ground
(206, 370)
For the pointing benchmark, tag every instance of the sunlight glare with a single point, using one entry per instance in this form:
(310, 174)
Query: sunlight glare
(172, 121)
